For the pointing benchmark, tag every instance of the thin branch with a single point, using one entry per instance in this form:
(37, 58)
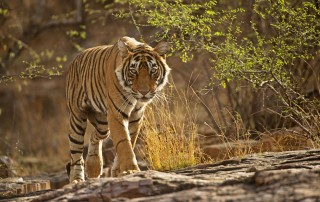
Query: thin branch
(214, 121)
(135, 22)
(295, 121)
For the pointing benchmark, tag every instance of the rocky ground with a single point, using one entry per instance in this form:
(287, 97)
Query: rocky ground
(283, 176)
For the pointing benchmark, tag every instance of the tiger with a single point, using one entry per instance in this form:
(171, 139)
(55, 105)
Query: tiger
(110, 87)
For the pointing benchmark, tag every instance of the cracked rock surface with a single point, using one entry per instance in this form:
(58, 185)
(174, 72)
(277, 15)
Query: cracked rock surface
(283, 176)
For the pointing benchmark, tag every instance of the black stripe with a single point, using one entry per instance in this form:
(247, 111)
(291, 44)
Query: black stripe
(134, 121)
(122, 95)
(163, 75)
(131, 134)
(83, 55)
(98, 103)
(74, 116)
(78, 162)
(94, 124)
(95, 77)
(85, 65)
(106, 58)
(101, 122)
(137, 109)
(123, 68)
(75, 141)
(91, 75)
(120, 141)
(124, 115)
(149, 58)
(75, 152)
(102, 58)
(123, 73)
(103, 133)
(77, 132)
(137, 58)
(81, 98)
(89, 65)
(98, 84)
(77, 125)
(77, 128)
(71, 100)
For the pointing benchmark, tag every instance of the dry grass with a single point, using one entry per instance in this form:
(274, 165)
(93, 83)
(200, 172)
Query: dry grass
(170, 139)
(240, 142)
(237, 142)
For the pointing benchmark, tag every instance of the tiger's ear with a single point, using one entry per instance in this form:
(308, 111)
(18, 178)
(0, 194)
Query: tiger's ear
(162, 48)
(123, 48)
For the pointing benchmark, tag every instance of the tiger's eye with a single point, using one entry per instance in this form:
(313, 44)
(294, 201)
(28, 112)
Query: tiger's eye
(133, 70)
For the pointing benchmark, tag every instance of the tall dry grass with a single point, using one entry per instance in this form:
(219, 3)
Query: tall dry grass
(239, 141)
(170, 137)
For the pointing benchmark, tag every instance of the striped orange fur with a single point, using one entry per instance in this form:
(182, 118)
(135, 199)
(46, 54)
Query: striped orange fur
(110, 86)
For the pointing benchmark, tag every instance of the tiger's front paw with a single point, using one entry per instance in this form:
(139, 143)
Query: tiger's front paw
(128, 172)
(118, 172)
(76, 181)
(75, 173)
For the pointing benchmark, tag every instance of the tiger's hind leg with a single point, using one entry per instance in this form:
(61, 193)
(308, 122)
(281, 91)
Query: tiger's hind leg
(78, 124)
(94, 160)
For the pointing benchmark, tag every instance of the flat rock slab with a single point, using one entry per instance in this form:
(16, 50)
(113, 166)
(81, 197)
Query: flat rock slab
(283, 176)
(18, 186)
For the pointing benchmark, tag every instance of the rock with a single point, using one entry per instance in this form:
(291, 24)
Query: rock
(10, 185)
(146, 183)
(28, 187)
(283, 176)
(6, 167)
(18, 186)
(57, 180)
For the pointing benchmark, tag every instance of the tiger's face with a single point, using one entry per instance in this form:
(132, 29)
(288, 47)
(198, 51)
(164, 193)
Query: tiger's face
(144, 71)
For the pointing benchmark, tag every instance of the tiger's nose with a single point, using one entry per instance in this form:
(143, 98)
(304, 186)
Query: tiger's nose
(144, 91)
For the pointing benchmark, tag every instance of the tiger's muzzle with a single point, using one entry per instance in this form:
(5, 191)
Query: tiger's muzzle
(144, 85)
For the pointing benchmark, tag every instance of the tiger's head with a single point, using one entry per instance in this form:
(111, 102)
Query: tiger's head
(144, 71)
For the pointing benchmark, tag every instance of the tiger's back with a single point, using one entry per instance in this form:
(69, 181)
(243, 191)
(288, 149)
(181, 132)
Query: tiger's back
(110, 86)
(87, 78)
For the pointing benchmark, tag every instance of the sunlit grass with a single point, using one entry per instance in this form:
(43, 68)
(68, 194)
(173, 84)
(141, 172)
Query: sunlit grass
(170, 139)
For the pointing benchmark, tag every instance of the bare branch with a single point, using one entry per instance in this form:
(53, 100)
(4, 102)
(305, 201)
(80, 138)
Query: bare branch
(135, 22)
(35, 29)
